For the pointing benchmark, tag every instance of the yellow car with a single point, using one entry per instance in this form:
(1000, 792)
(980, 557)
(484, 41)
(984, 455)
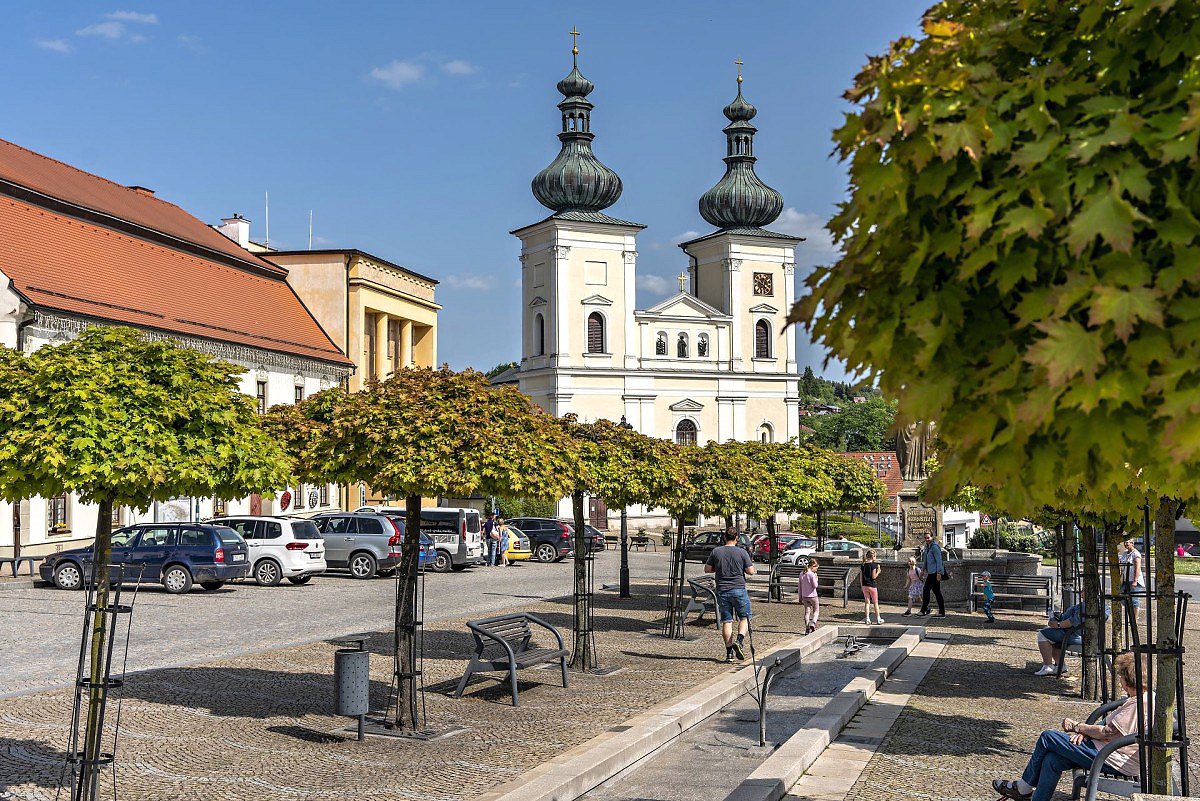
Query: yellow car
(518, 545)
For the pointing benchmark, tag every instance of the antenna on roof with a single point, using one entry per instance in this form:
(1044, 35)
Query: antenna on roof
(267, 209)
(310, 229)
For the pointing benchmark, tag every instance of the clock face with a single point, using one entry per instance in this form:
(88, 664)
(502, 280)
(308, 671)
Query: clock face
(764, 284)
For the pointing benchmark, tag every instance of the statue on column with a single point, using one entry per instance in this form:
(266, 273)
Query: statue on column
(912, 449)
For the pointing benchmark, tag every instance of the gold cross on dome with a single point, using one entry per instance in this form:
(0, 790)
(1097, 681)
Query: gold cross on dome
(683, 282)
(739, 63)
(574, 41)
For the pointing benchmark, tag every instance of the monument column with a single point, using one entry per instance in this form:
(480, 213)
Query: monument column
(917, 518)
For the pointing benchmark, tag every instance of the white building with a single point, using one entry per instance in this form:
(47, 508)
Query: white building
(77, 250)
(713, 362)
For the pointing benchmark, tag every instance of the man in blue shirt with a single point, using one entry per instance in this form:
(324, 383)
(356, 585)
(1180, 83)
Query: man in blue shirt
(731, 565)
(1064, 627)
(932, 568)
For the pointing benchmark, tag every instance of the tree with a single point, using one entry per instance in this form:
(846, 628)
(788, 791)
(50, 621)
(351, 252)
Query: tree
(427, 432)
(623, 467)
(858, 427)
(117, 419)
(1019, 245)
(500, 368)
(856, 487)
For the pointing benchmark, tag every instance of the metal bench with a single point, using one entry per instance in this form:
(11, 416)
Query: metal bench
(16, 562)
(1020, 589)
(514, 635)
(782, 573)
(1100, 778)
(642, 541)
(837, 580)
(704, 596)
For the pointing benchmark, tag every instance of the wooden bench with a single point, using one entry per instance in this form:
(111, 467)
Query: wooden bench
(510, 638)
(16, 562)
(704, 596)
(1020, 589)
(643, 541)
(788, 573)
(837, 580)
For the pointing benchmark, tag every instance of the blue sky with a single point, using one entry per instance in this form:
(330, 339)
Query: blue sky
(412, 130)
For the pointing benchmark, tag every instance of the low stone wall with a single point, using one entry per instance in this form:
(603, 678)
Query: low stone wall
(957, 589)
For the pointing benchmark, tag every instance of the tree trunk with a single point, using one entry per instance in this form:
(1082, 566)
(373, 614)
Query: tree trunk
(772, 543)
(819, 530)
(1089, 681)
(93, 736)
(583, 654)
(673, 627)
(408, 708)
(1162, 759)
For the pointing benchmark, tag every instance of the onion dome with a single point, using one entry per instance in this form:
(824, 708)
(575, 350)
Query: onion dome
(576, 181)
(740, 199)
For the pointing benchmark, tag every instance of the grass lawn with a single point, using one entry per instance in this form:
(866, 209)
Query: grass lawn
(1187, 567)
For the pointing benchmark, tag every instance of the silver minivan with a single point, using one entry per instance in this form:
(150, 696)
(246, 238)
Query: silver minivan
(457, 534)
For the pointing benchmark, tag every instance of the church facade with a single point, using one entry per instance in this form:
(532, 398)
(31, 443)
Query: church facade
(712, 362)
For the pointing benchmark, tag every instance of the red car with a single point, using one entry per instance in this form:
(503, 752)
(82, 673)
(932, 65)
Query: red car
(760, 550)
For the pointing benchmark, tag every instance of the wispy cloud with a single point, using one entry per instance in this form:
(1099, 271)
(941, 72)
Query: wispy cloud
(105, 30)
(193, 43)
(398, 74)
(470, 281)
(57, 45)
(133, 16)
(459, 67)
(818, 246)
(675, 240)
(656, 284)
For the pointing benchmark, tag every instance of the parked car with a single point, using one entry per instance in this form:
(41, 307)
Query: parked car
(698, 549)
(518, 545)
(550, 539)
(280, 547)
(595, 538)
(365, 544)
(760, 546)
(844, 548)
(457, 534)
(798, 549)
(173, 554)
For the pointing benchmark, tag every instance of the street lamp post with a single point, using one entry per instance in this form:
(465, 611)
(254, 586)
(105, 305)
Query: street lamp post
(624, 535)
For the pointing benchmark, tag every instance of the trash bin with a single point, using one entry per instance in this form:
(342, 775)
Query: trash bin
(352, 678)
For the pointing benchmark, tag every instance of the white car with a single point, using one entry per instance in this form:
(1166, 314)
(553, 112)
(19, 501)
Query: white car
(802, 547)
(280, 547)
(844, 548)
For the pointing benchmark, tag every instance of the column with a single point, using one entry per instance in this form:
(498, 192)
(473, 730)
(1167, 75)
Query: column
(789, 283)
(381, 345)
(406, 344)
(733, 275)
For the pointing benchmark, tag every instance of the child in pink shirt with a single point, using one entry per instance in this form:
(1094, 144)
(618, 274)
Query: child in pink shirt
(808, 596)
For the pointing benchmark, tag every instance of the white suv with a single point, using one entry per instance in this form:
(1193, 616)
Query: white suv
(280, 547)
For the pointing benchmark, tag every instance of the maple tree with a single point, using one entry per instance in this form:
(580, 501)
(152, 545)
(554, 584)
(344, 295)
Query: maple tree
(425, 432)
(121, 420)
(1019, 249)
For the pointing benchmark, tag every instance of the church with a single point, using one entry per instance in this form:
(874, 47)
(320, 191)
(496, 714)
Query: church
(712, 362)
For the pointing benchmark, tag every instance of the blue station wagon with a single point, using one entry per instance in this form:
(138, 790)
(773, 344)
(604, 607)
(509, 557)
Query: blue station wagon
(175, 555)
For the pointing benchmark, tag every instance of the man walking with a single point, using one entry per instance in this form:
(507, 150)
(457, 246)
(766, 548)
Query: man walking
(731, 565)
(933, 566)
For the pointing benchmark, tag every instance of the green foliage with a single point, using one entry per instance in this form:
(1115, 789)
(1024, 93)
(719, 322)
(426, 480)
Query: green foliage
(499, 368)
(816, 390)
(856, 485)
(839, 526)
(1020, 246)
(1013, 537)
(624, 467)
(113, 416)
(858, 427)
(525, 507)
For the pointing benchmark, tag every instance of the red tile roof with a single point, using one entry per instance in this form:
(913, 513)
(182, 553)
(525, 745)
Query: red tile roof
(66, 264)
(62, 181)
(887, 467)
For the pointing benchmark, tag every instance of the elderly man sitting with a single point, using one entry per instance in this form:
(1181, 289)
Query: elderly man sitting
(1064, 628)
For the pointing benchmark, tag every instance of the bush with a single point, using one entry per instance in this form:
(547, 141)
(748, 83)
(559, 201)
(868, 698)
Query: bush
(1012, 538)
(525, 507)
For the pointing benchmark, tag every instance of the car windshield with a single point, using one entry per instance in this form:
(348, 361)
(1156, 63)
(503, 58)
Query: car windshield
(305, 530)
(228, 535)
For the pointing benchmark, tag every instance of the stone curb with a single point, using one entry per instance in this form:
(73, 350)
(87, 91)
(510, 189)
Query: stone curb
(580, 769)
(18, 584)
(774, 777)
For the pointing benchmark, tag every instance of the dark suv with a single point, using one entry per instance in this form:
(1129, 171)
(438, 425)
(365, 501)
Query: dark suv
(550, 540)
(174, 554)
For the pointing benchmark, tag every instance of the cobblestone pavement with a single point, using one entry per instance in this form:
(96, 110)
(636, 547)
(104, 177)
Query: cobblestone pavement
(39, 627)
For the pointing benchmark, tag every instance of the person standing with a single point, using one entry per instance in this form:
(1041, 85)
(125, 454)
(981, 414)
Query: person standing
(731, 565)
(932, 569)
(1133, 583)
(807, 590)
(912, 584)
(502, 530)
(984, 583)
(490, 539)
(869, 572)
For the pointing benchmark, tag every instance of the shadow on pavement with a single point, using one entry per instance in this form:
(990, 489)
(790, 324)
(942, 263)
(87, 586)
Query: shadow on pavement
(35, 763)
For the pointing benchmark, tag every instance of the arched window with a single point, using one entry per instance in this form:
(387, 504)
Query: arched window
(762, 340)
(702, 346)
(681, 347)
(660, 344)
(539, 335)
(595, 342)
(685, 433)
(766, 433)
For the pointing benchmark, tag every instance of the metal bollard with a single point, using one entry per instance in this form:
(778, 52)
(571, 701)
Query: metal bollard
(352, 678)
(762, 699)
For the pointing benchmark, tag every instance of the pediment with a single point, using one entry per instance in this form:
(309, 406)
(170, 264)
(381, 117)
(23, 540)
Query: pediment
(682, 304)
(538, 301)
(764, 308)
(686, 405)
(596, 300)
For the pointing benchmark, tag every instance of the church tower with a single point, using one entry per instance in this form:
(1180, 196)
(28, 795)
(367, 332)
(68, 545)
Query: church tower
(742, 268)
(577, 265)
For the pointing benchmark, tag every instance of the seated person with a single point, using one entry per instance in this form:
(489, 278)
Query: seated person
(1062, 628)
(1078, 744)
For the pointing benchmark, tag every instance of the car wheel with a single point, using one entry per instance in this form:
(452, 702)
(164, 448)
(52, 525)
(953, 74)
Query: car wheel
(212, 585)
(267, 573)
(442, 563)
(68, 576)
(546, 553)
(299, 579)
(177, 580)
(363, 565)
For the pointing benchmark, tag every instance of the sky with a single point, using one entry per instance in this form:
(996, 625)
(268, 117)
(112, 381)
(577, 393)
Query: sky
(412, 130)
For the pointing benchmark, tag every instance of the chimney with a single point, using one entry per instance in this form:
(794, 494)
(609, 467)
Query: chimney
(236, 228)
(141, 190)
